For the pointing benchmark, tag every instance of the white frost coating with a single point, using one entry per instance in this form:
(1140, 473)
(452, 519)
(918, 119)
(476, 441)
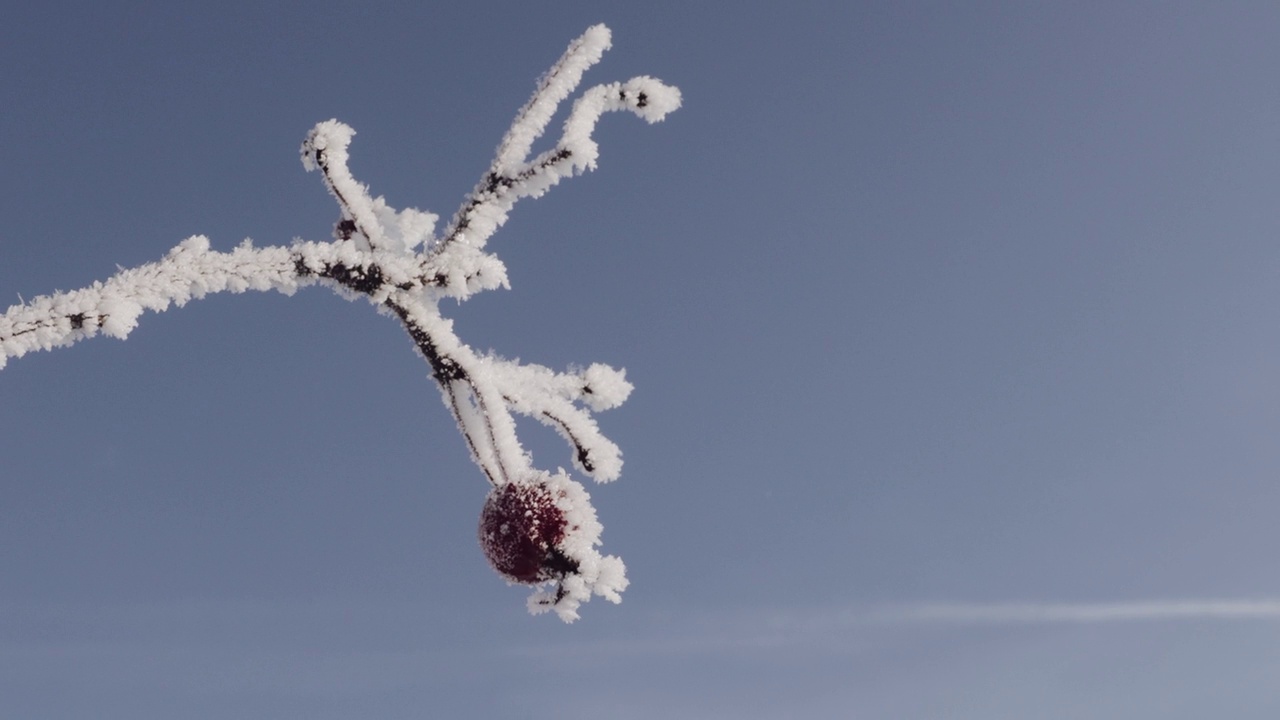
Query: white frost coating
(188, 271)
(646, 97)
(550, 398)
(326, 149)
(605, 388)
(378, 226)
(553, 87)
(392, 259)
(512, 177)
(597, 574)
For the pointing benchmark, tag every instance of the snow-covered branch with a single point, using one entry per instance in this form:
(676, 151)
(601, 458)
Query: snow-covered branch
(537, 527)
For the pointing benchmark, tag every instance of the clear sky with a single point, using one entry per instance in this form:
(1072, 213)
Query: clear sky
(954, 329)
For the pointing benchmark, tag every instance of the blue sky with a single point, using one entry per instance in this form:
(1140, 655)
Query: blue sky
(931, 309)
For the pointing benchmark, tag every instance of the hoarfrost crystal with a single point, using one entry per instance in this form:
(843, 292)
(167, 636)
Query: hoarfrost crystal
(537, 527)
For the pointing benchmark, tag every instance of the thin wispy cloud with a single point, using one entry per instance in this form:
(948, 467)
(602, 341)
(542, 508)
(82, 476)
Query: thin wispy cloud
(1046, 613)
(745, 631)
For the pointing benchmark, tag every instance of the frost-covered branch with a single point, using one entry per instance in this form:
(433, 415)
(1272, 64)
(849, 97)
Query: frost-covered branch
(512, 176)
(537, 527)
(189, 271)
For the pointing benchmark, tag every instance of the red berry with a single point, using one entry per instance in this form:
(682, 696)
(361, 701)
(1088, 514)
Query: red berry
(520, 529)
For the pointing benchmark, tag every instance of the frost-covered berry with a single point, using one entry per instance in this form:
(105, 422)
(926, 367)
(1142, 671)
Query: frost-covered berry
(521, 528)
